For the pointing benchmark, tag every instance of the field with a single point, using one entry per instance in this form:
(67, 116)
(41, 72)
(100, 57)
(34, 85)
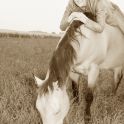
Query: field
(20, 57)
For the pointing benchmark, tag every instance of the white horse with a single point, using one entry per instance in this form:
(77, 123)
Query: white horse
(86, 53)
(99, 51)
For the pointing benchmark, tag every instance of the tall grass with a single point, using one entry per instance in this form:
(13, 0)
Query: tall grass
(20, 57)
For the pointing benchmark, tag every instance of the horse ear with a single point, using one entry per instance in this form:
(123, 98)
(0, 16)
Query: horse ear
(38, 81)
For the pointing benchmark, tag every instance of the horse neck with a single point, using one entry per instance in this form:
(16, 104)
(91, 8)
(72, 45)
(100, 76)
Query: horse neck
(59, 67)
(61, 63)
(63, 59)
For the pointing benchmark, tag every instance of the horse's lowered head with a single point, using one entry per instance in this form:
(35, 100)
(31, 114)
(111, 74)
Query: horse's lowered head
(52, 105)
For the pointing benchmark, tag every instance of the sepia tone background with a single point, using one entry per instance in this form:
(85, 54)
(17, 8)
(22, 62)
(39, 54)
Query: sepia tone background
(26, 47)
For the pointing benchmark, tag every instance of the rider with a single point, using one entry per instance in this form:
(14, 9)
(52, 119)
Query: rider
(101, 9)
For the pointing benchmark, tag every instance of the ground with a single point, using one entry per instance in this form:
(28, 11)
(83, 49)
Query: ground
(21, 57)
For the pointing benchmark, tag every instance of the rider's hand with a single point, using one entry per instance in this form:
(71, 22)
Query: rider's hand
(79, 16)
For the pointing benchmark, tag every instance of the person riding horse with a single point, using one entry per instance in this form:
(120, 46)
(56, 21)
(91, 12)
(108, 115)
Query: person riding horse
(103, 10)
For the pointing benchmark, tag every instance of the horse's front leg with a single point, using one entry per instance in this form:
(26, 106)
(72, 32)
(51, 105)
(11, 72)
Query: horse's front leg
(92, 75)
(92, 70)
(117, 77)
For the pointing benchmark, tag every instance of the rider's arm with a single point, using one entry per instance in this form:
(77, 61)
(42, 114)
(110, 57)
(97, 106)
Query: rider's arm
(71, 7)
(97, 26)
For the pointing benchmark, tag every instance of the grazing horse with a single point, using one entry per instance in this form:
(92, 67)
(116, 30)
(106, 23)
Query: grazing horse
(83, 51)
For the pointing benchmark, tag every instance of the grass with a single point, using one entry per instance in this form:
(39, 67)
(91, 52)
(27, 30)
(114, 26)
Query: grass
(20, 57)
(107, 107)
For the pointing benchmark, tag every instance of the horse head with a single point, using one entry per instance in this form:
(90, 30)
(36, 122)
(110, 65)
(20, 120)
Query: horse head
(53, 105)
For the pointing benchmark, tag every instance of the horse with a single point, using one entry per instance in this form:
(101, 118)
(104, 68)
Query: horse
(85, 51)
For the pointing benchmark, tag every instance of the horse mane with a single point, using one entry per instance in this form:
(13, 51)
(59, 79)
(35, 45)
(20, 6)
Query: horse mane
(62, 59)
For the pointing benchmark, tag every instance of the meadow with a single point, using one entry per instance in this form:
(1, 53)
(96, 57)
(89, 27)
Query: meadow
(22, 56)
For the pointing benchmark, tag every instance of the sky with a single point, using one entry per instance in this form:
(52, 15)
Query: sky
(34, 15)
